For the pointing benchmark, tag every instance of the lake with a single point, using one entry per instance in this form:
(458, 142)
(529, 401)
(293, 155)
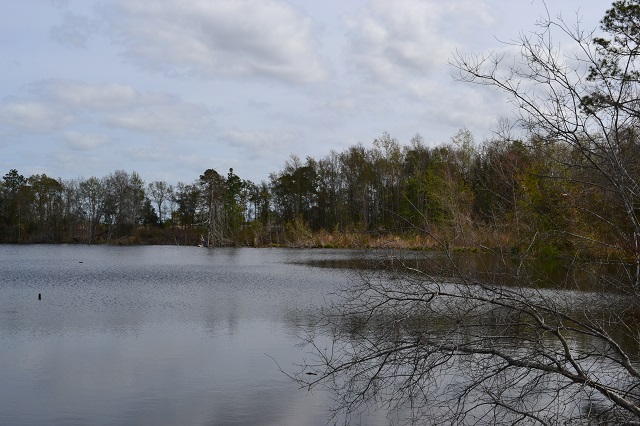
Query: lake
(159, 335)
(168, 335)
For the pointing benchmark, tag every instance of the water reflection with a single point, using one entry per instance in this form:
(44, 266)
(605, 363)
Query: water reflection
(157, 335)
(490, 343)
(571, 274)
(185, 335)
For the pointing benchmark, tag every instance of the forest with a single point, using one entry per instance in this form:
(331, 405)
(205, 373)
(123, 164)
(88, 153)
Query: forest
(527, 195)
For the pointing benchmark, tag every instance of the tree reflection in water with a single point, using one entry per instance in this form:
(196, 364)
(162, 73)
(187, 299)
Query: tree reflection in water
(455, 346)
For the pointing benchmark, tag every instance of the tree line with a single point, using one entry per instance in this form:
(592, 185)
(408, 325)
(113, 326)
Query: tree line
(522, 194)
(504, 340)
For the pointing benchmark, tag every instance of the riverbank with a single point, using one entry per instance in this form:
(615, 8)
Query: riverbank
(472, 240)
(297, 236)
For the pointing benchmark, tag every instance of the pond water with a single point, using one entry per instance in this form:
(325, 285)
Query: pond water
(159, 335)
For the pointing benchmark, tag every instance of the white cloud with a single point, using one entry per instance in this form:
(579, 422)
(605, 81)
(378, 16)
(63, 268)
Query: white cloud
(392, 41)
(235, 38)
(260, 152)
(84, 117)
(178, 119)
(80, 141)
(255, 141)
(34, 116)
(55, 104)
(97, 97)
(145, 153)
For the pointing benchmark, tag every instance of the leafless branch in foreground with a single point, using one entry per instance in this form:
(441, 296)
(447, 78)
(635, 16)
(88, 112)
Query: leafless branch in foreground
(470, 351)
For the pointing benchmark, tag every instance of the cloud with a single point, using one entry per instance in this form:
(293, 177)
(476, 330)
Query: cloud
(80, 141)
(97, 97)
(177, 119)
(268, 146)
(34, 116)
(390, 41)
(209, 39)
(53, 105)
(254, 141)
(153, 153)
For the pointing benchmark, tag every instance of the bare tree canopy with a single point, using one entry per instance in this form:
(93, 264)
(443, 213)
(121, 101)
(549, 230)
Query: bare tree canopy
(461, 347)
(438, 341)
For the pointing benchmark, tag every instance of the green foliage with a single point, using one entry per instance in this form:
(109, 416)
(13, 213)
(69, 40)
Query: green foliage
(294, 190)
(502, 193)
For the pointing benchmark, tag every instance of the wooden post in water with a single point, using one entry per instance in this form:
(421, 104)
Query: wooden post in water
(39, 296)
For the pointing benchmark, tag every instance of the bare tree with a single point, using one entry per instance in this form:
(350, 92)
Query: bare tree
(441, 341)
(161, 192)
(585, 102)
(93, 193)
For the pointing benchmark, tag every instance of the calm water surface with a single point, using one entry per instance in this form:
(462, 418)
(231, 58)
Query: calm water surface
(158, 335)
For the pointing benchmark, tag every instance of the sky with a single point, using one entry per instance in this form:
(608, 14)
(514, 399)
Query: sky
(171, 88)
